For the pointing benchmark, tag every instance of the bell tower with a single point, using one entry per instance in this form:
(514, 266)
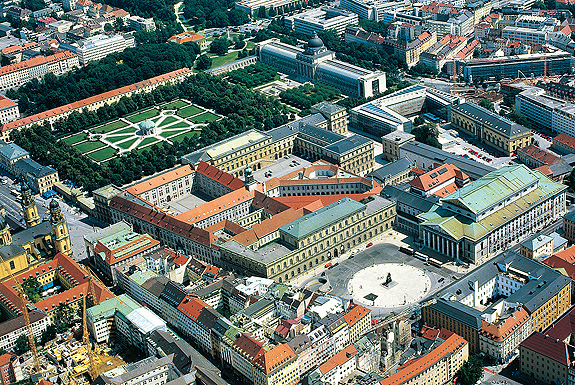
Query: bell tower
(5, 236)
(60, 236)
(29, 206)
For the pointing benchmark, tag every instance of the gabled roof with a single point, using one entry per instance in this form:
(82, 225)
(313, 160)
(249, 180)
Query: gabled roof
(247, 346)
(339, 359)
(268, 361)
(539, 154)
(552, 348)
(355, 313)
(499, 332)
(160, 179)
(567, 255)
(565, 139)
(440, 175)
(192, 307)
(219, 176)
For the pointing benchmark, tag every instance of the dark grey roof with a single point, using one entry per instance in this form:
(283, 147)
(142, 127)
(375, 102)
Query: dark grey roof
(499, 123)
(459, 312)
(185, 356)
(417, 202)
(570, 216)
(257, 306)
(11, 151)
(293, 128)
(327, 108)
(348, 144)
(299, 343)
(30, 166)
(474, 169)
(24, 236)
(10, 251)
(543, 283)
(391, 169)
(136, 369)
(208, 317)
(173, 293)
(560, 168)
(156, 285)
(18, 322)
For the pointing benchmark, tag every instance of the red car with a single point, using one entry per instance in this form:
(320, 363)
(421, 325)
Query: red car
(328, 265)
(369, 244)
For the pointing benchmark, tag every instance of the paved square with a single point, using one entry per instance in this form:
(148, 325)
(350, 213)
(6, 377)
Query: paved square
(408, 285)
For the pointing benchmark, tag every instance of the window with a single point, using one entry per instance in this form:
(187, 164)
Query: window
(12, 265)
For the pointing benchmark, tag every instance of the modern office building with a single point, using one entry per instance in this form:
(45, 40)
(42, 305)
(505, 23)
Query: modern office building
(17, 74)
(99, 46)
(253, 6)
(141, 24)
(499, 304)
(486, 216)
(321, 19)
(373, 10)
(315, 63)
(390, 113)
(530, 35)
(546, 111)
(490, 128)
(558, 63)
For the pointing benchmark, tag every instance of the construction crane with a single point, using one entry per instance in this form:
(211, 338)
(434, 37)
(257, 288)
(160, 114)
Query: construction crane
(93, 371)
(91, 278)
(22, 295)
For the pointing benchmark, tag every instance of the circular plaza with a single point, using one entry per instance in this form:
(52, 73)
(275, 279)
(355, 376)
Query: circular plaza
(389, 285)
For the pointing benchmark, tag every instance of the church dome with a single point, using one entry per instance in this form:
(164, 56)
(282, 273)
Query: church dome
(54, 205)
(3, 223)
(24, 188)
(315, 42)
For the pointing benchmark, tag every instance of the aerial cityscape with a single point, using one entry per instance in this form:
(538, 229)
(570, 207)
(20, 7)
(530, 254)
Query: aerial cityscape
(287, 192)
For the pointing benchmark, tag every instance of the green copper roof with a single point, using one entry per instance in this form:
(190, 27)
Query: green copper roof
(107, 308)
(493, 187)
(460, 227)
(333, 213)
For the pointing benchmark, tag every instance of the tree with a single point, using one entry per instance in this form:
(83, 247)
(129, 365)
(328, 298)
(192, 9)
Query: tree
(487, 104)
(32, 289)
(203, 63)
(108, 27)
(426, 133)
(418, 121)
(22, 344)
(220, 46)
(471, 371)
(519, 118)
(49, 334)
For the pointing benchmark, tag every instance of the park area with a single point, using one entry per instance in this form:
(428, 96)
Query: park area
(170, 123)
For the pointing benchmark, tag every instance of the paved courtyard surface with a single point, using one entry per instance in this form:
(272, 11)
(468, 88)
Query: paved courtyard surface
(408, 284)
(385, 250)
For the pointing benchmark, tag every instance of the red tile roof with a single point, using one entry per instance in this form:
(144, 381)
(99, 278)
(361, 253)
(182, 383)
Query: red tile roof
(192, 307)
(267, 226)
(567, 255)
(5, 102)
(444, 175)
(273, 359)
(160, 179)
(355, 313)
(38, 118)
(501, 331)
(551, 348)
(540, 154)
(563, 328)
(339, 359)
(566, 140)
(247, 346)
(34, 62)
(561, 265)
(114, 255)
(219, 176)
(450, 345)
(185, 37)
(5, 358)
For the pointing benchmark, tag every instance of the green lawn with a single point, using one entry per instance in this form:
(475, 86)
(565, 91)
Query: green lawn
(143, 115)
(179, 125)
(102, 154)
(127, 144)
(74, 138)
(167, 134)
(89, 146)
(115, 139)
(221, 60)
(189, 111)
(181, 137)
(109, 127)
(147, 141)
(168, 120)
(174, 105)
(205, 117)
(128, 130)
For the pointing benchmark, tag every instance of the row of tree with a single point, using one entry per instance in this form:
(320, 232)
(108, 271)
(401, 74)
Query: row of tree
(116, 70)
(254, 75)
(213, 13)
(303, 97)
(245, 109)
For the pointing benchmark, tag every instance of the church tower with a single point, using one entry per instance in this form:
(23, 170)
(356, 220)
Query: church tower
(249, 182)
(60, 236)
(29, 206)
(5, 236)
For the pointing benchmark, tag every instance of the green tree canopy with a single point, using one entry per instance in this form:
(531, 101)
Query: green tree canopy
(471, 371)
(487, 104)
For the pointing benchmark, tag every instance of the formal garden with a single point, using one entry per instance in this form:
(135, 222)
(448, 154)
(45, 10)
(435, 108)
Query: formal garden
(169, 123)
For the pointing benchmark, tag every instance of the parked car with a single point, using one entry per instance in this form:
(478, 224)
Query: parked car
(369, 244)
